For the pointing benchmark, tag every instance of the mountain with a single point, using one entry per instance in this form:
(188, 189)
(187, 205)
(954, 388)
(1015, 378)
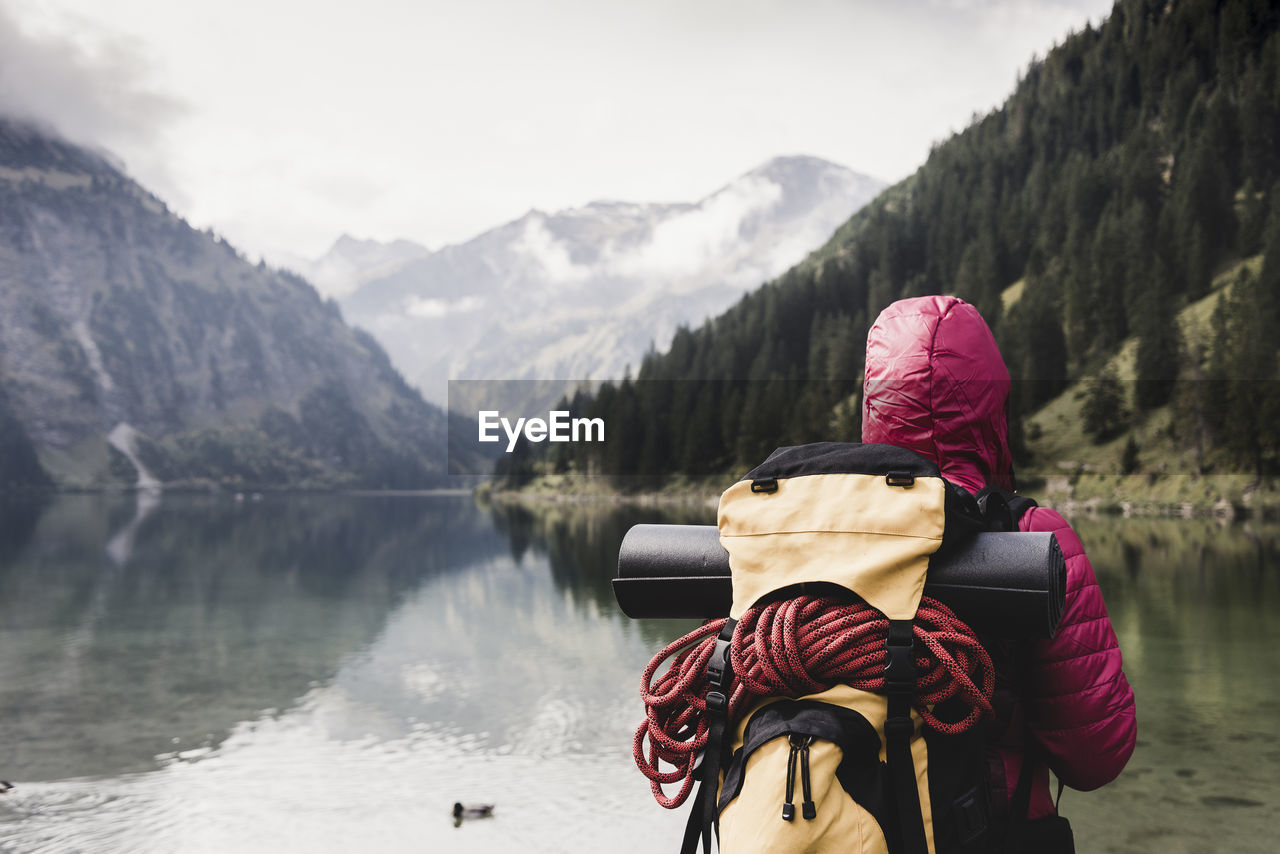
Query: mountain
(136, 349)
(351, 262)
(1132, 175)
(585, 292)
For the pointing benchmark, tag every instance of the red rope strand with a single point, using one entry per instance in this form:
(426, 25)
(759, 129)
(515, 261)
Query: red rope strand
(792, 648)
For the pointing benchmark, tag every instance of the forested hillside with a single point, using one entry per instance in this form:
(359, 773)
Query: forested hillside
(1130, 166)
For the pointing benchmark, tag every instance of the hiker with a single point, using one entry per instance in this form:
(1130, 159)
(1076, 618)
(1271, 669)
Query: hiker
(937, 385)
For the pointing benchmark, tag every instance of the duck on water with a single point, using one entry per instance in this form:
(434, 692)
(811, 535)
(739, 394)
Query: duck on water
(461, 812)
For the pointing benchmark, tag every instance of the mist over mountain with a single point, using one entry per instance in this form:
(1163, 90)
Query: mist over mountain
(136, 349)
(585, 292)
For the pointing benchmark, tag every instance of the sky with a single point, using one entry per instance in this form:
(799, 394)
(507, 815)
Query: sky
(282, 124)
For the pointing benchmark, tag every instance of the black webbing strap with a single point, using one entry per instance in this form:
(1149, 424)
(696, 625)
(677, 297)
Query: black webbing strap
(693, 826)
(1049, 834)
(1020, 803)
(702, 817)
(900, 688)
(1019, 817)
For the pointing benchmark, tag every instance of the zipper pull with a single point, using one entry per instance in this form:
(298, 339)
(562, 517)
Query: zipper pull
(788, 807)
(808, 809)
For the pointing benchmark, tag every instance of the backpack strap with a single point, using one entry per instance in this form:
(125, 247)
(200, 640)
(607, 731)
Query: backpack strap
(1001, 508)
(703, 817)
(1020, 804)
(900, 688)
(1048, 835)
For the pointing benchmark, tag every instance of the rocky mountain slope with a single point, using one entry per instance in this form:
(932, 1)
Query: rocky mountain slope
(585, 292)
(136, 349)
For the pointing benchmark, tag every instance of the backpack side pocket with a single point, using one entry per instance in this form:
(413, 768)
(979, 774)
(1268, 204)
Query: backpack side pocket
(806, 778)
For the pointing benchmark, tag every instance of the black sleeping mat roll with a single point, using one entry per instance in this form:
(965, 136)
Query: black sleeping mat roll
(1001, 584)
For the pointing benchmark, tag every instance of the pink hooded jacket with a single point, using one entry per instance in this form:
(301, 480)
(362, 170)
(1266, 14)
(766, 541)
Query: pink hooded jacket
(936, 384)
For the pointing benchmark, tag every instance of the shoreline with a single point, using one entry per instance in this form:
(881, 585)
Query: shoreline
(1227, 496)
(1222, 496)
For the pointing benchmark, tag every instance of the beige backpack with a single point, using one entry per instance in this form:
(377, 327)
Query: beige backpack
(851, 724)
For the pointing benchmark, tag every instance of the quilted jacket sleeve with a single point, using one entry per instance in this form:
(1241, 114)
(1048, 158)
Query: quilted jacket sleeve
(1076, 699)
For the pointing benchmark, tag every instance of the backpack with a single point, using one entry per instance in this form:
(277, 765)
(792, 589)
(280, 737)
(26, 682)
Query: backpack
(829, 545)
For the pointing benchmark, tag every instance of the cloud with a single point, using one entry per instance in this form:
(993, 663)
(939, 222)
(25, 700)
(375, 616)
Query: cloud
(428, 308)
(549, 256)
(709, 231)
(88, 86)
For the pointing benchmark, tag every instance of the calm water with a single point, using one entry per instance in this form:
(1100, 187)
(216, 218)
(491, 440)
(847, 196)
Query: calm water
(328, 673)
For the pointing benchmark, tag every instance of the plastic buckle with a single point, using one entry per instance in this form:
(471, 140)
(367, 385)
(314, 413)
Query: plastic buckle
(719, 675)
(970, 811)
(900, 668)
(717, 702)
(718, 664)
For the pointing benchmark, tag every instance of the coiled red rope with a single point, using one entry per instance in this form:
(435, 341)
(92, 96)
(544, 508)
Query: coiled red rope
(792, 648)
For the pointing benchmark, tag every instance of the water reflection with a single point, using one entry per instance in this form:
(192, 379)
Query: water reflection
(1195, 605)
(130, 628)
(318, 673)
(581, 541)
(328, 673)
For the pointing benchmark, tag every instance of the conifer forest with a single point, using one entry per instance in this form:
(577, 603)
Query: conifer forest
(1124, 200)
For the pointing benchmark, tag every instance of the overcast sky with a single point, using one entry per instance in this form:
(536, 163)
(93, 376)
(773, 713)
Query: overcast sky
(284, 123)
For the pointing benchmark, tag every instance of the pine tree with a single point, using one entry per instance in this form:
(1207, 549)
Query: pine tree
(1104, 413)
(1159, 347)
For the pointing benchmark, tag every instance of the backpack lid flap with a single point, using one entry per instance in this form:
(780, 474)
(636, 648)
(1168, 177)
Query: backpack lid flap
(850, 528)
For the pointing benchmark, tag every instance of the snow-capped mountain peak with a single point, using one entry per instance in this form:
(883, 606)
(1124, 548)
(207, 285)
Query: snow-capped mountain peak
(584, 292)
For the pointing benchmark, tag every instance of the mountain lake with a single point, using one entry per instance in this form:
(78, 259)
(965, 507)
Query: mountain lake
(329, 673)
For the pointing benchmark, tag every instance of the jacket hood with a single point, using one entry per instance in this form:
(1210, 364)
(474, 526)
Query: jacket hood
(936, 384)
